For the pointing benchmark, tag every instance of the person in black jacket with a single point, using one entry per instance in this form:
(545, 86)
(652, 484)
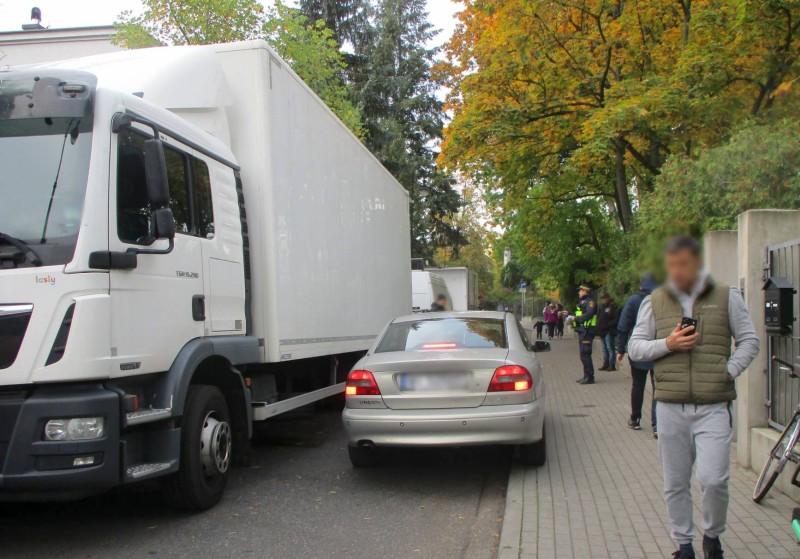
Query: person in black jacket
(440, 304)
(640, 370)
(607, 318)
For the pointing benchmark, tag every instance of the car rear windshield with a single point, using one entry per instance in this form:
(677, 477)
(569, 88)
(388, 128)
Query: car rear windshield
(444, 334)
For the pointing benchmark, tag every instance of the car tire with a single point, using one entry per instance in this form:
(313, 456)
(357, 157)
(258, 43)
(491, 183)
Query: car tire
(206, 450)
(363, 456)
(534, 454)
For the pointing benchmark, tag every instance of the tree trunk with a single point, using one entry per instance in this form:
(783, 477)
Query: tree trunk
(686, 8)
(621, 186)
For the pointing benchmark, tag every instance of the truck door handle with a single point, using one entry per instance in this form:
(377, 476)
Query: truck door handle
(199, 307)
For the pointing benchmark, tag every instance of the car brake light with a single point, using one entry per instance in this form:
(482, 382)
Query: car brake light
(511, 378)
(440, 345)
(361, 383)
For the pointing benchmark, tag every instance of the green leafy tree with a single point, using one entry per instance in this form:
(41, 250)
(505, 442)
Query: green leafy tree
(313, 52)
(568, 113)
(310, 48)
(758, 167)
(404, 120)
(190, 22)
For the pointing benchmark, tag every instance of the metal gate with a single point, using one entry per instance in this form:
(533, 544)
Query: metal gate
(784, 391)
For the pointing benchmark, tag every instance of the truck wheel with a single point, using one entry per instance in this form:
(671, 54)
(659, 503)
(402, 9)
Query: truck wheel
(363, 456)
(206, 448)
(534, 454)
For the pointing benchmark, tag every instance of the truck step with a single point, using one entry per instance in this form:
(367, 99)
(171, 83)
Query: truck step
(265, 410)
(147, 416)
(142, 471)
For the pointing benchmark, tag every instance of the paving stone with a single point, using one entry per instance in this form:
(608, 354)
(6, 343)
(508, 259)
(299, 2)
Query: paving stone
(600, 493)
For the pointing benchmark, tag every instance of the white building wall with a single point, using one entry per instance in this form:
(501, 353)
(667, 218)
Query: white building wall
(33, 47)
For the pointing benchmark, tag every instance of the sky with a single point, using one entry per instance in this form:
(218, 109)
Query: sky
(78, 13)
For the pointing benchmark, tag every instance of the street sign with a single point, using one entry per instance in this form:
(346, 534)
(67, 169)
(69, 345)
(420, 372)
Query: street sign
(523, 289)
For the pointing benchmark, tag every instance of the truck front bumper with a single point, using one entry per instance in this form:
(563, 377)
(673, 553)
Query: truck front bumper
(30, 465)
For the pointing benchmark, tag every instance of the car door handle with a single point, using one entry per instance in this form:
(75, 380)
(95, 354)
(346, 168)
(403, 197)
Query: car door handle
(199, 308)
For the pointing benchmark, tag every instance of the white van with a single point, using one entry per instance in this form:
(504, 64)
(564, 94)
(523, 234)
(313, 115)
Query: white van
(425, 289)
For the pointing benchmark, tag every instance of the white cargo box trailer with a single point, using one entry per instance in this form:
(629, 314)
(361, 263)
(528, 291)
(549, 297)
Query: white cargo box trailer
(221, 249)
(462, 283)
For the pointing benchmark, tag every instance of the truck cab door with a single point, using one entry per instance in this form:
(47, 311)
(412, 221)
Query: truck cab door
(158, 306)
(215, 191)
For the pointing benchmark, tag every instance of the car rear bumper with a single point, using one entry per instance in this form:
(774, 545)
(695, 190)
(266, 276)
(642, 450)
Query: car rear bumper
(516, 424)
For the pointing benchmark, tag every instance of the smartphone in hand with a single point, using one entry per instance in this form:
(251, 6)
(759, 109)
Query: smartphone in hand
(686, 322)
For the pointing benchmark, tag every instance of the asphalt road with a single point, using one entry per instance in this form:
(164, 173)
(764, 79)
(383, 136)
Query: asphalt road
(300, 500)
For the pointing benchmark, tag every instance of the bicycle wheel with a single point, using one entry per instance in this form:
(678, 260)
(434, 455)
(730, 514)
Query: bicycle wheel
(772, 469)
(778, 457)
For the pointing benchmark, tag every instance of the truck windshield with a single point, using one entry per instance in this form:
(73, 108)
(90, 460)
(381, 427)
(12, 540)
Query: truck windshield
(45, 164)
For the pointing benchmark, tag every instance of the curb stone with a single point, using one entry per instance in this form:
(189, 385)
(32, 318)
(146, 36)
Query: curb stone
(511, 534)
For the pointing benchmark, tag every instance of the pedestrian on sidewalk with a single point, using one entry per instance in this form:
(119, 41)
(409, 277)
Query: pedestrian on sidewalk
(607, 318)
(585, 325)
(538, 327)
(561, 314)
(695, 372)
(550, 319)
(640, 370)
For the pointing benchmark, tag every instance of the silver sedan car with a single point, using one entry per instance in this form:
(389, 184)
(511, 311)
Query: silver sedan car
(447, 378)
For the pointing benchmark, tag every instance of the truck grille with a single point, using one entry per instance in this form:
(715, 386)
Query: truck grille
(10, 404)
(13, 324)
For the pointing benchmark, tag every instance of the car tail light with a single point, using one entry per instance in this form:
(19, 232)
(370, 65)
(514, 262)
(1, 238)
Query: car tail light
(361, 383)
(511, 378)
(440, 345)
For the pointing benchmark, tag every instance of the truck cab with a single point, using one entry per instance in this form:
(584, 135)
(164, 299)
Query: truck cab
(120, 244)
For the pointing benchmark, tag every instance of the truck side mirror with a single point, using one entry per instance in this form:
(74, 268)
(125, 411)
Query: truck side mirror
(163, 224)
(156, 174)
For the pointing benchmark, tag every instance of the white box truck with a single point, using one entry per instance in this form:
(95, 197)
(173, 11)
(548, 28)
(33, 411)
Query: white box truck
(462, 284)
(191, 242)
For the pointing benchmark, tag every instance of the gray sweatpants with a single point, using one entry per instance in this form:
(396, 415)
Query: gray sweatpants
(689, 434)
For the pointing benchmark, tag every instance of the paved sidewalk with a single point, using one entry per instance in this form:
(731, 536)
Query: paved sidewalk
(599, 495)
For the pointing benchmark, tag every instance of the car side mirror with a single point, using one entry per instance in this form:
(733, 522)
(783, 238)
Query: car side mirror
(156, 174)
(541, 346)
(163, 224)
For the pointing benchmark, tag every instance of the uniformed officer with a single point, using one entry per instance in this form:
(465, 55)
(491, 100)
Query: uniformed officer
(585, 326)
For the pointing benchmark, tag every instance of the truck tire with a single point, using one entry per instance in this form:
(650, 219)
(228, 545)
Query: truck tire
(363, 456)
(534, 454)
(206, 449)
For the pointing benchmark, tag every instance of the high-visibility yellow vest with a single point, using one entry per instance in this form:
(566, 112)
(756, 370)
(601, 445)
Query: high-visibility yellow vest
(591, 322)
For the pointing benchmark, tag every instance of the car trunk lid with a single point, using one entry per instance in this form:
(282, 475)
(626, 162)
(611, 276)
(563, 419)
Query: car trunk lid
(428, 379)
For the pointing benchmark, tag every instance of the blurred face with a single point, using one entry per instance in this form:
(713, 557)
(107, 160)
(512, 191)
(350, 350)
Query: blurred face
(582, 293)
(605, 299)
(683, 269)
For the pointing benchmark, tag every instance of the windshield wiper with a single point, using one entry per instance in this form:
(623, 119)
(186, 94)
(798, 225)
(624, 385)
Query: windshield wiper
(23, 247)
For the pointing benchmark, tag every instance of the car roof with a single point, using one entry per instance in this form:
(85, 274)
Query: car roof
(492, 315)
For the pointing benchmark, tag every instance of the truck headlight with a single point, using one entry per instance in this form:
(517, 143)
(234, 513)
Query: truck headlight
(75, 429)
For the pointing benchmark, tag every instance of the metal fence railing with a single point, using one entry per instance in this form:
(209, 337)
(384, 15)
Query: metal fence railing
(783, 390)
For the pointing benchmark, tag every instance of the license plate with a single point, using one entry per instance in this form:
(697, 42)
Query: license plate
(419, 382)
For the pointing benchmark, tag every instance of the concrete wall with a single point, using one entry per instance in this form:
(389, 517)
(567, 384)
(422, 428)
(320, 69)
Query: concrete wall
(757, 230)
(720, 251)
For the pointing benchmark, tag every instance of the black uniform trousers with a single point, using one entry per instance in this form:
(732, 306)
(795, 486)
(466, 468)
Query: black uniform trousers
(586, 341)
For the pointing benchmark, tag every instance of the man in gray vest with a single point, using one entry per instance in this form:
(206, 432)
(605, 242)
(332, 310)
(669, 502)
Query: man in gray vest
(695, 371)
